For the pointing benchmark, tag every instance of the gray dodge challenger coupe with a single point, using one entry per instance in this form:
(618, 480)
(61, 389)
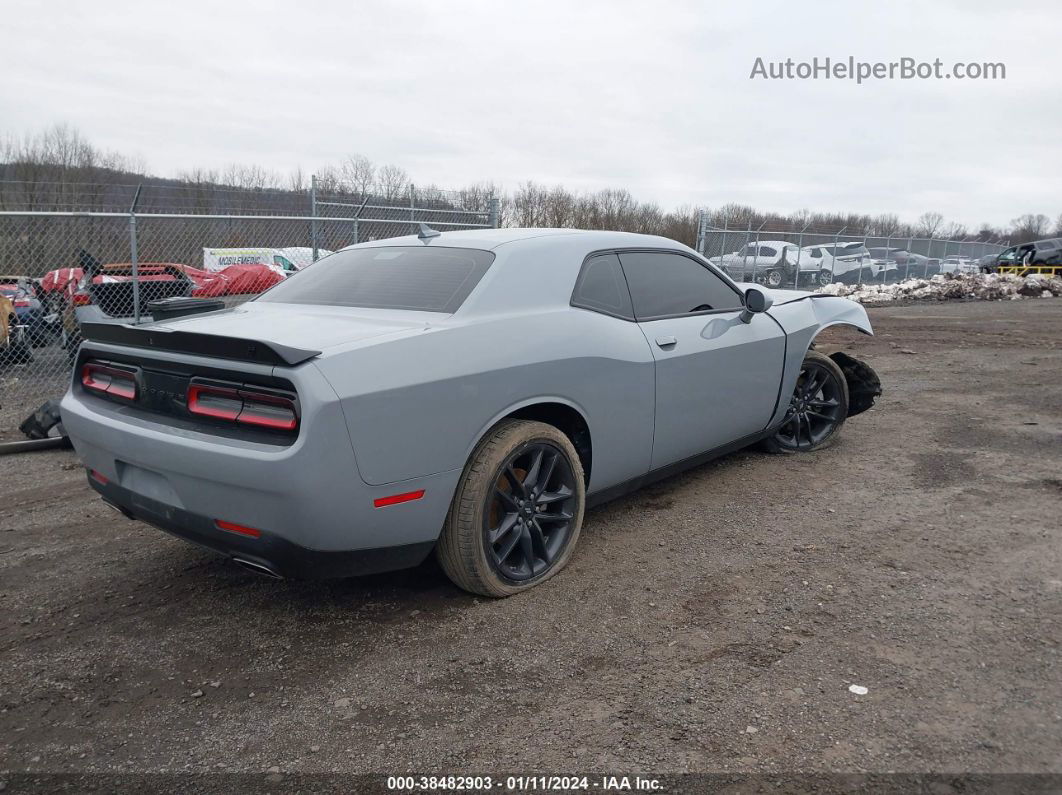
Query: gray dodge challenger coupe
(467, 392)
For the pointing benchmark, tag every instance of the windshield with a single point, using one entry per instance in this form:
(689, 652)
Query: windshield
(426, 279)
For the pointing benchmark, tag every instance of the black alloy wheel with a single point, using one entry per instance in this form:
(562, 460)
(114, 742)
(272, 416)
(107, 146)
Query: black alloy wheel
(817, 407)
(529, 512)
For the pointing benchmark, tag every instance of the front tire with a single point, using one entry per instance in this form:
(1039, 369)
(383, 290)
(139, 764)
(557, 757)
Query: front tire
(517, 512)
(774, 278)
(817, 408)
(824, 277)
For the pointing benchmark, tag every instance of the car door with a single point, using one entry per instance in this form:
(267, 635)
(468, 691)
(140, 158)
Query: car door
(717, 376)
(745, 267)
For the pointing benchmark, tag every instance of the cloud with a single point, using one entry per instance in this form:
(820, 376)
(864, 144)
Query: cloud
(652, 97)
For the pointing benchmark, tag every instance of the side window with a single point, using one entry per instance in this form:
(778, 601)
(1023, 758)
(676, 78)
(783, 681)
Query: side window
(749, 250)
(601, 287)
(767, 251)
(285, 264)
(663, 284)
(816, 253)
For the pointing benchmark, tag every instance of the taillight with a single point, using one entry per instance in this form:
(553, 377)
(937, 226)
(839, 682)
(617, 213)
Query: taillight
(268, 411)
(108, 380)
(221, 404)
(232, 527)
(81, 299)
(244, 406)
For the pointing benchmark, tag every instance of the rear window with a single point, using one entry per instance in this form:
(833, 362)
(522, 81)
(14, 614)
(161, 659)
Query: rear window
(425, 279)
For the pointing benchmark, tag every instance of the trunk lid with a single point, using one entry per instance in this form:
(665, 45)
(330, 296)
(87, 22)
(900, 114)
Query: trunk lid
(301, 326)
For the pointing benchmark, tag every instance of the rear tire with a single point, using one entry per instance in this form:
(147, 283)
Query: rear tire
(517, 512)
(817, 409)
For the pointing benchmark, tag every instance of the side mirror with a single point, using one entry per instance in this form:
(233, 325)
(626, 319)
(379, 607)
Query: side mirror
(756, 301)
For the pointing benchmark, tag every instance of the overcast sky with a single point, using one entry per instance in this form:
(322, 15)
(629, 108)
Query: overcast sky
(652, 96)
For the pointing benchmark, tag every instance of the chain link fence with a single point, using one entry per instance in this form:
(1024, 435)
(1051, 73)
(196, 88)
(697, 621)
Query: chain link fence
(806, 258)
(60, 268)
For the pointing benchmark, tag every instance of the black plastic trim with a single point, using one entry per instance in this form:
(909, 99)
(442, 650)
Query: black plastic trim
(274, 553)
(622, 489)
(210, 345)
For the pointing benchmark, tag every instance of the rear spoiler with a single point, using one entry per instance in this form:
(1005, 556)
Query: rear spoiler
(161, 339)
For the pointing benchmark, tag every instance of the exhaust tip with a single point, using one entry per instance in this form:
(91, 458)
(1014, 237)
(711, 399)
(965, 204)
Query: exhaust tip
(257, 568)
(119, 509)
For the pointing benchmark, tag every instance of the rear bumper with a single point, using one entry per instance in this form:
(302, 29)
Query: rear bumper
(308, 494)
(271, 552)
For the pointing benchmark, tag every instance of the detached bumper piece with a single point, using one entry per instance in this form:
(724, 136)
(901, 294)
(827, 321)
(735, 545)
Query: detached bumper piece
(265, 552)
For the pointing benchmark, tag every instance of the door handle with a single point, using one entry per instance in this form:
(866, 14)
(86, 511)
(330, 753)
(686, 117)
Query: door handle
(666, 342)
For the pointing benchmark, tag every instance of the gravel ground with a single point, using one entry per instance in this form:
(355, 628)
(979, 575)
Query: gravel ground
(714, 622)
(24, 387)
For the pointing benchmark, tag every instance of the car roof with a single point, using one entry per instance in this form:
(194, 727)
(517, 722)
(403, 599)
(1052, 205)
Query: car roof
(533, 268)
(490, 239)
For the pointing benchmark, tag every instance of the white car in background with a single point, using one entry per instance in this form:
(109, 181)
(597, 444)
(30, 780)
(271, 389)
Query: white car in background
(847, 263)
(959, 265)
(770, 262)
(302, 256)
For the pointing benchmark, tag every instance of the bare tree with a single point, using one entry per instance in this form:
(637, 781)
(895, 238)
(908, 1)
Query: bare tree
(297, 180)
(929, 223)
(1029, 227)
(392, 182)
(329, 180)
(954, 231)
(358, 175)
(528, 205)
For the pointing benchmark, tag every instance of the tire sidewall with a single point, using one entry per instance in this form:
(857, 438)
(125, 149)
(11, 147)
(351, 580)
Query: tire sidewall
(474, 486)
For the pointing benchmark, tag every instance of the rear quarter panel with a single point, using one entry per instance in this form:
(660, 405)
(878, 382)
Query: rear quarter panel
(418, 405)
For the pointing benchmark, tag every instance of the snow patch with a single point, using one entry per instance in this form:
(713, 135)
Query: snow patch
(951, 286)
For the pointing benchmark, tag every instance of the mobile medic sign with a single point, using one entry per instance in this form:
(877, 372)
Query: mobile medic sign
(217, 259)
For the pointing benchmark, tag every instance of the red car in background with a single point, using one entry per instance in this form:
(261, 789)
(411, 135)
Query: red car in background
(107, 297)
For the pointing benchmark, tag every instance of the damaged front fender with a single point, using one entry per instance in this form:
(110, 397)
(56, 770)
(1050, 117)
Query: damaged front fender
(803, 317)
(830, 310)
